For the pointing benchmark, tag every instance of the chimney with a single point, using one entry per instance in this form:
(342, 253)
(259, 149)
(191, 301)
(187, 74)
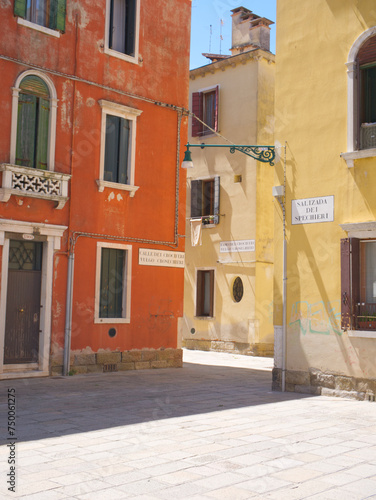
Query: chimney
(249, 31)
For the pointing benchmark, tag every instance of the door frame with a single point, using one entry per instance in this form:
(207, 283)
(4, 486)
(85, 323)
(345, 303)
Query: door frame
(50, 235)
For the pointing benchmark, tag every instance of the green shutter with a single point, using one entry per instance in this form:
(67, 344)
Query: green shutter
(130, 28)
(111, 148)
(42, 137)
(20, 8)
(57, 15)
(123, 176)
(26, 130)
(111, 294)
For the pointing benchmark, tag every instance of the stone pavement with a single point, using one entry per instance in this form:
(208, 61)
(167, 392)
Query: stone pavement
(212, 430)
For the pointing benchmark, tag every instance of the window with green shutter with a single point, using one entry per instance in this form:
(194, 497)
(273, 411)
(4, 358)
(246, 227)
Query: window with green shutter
(48, 13)
(117, 149)
(33, 123)
(112, 283)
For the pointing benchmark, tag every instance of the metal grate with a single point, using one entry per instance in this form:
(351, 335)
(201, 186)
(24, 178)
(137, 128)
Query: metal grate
(111, 367)
(367, 135)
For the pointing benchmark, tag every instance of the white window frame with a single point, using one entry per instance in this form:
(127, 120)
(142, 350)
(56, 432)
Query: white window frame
(115, 53)
(131, 114)
(206, 318)
(52, 118)
(38, 27)
(126, 283)
(353, 154)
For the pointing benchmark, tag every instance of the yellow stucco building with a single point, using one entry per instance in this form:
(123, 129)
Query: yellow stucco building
(325, 329)
(229, 247)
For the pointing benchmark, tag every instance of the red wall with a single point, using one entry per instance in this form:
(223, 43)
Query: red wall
(156, 292)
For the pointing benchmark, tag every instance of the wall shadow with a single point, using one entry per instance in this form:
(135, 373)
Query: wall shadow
(62, 406)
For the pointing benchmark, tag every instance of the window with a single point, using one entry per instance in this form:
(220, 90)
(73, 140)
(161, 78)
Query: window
(205, 293)
(112, 298)
(205, 107)
(205, 200)
(118, 147)
(122, 29)
(47, 13)
(33, 128)
(366, 62)
(358, 284)
(361, 101)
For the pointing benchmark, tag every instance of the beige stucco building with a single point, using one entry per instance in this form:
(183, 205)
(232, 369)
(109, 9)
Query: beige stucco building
(229, 267)
(326, 113)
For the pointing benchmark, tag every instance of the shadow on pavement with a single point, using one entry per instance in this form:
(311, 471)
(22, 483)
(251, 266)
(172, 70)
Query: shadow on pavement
(59, 406)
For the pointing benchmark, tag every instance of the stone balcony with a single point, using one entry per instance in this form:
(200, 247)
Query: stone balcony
(33, 183)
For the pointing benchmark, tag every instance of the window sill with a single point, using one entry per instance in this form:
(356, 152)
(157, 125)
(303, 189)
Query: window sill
(351, 156)
(362, 334)
(112, 320)
(207, 318)
(38, 27)
(114, 185)
(33, 183)
(120, 55)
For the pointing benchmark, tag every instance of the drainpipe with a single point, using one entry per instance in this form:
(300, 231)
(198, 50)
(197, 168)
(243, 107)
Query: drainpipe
(68, 313)
(284, 289)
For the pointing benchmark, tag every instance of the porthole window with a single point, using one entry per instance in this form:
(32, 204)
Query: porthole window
(237, 289)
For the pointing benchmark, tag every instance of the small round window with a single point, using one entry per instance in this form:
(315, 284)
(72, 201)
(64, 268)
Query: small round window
(237, 289)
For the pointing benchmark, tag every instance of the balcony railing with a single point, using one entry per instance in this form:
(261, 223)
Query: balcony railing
(33, 183)
(365, 316)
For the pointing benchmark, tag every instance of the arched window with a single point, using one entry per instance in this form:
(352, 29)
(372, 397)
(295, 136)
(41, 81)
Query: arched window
(33, 122)
(361, 98)
(366, 64)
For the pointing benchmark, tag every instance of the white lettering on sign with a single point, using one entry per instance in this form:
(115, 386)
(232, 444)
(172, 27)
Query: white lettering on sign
(148, 257)
(311, 210)
(237, 246)
(28, 236)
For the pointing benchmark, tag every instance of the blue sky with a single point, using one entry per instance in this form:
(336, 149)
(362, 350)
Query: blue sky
(210, 12)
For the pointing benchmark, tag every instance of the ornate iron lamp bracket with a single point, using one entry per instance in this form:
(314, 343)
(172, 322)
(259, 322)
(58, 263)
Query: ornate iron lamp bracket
(265, 154)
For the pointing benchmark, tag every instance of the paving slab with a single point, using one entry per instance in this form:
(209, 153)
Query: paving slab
(213, 429)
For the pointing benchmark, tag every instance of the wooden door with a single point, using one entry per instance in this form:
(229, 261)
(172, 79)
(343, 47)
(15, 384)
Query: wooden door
(23, 302)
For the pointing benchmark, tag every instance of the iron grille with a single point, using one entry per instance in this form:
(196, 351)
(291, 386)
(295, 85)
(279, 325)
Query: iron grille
(368, 135)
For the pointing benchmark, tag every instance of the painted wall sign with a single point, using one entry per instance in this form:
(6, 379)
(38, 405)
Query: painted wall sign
(147, 257)
(311, 210)
(237, 246)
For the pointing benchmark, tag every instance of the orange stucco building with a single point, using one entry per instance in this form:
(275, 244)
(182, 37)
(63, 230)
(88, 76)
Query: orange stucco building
(92, 197)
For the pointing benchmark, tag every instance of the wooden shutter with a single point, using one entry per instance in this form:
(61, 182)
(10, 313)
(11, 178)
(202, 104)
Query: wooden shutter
(211, 299)
(350, 286)
(20, 8)
(42, 133)
(57, 15)
(26, 130)
(216, 127)
(197, 109)
(123, 176)
(216, 199)
(130, 26)
(111, 148)
(196, 199)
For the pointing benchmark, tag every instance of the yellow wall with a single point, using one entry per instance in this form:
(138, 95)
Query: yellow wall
(246, 99)
(314, 39)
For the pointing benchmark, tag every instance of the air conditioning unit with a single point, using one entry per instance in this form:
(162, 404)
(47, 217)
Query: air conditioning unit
(368, 135)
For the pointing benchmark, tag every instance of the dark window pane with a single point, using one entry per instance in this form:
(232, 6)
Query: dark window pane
(122, 26)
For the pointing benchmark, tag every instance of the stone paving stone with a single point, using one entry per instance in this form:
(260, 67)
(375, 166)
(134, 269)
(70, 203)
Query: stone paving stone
(179, 477)
(263, 484)
(366, 486)
(230, 493)
(297, 474)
